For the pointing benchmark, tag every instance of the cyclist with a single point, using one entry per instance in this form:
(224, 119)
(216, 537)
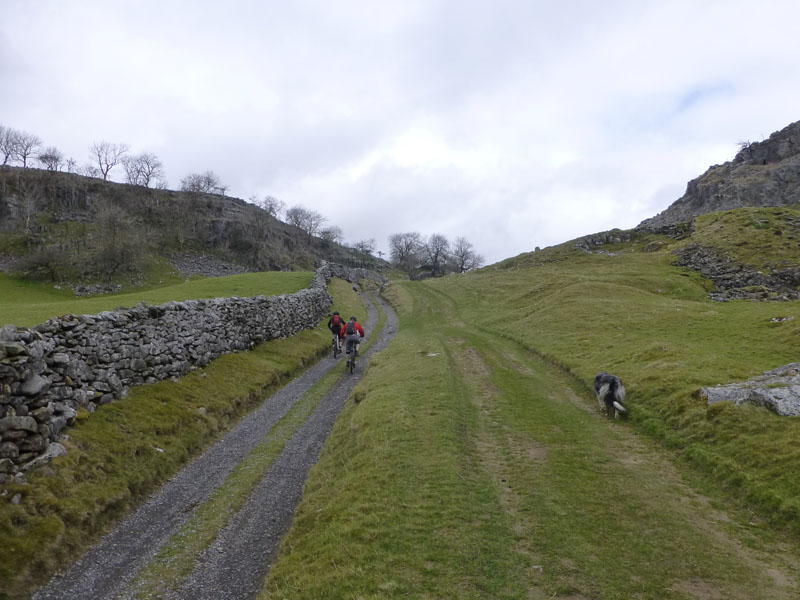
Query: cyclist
(352, 334)
(336, 324)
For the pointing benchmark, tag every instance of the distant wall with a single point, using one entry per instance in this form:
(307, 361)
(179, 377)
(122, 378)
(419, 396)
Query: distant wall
(50, 371)
(354, 275)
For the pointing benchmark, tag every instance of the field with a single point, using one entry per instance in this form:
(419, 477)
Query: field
(25, 303)
(472, 461)
(476, 464)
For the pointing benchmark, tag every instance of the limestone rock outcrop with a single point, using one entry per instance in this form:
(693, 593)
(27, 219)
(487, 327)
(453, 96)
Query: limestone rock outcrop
(777, 390)
(763, 173)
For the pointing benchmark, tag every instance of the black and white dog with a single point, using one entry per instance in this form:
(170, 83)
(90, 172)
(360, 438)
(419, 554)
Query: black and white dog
(610, 394)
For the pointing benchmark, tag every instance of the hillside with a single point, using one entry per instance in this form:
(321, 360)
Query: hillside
(763, 173)
(64, 227)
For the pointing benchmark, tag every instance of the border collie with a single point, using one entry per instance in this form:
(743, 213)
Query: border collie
(610, 394)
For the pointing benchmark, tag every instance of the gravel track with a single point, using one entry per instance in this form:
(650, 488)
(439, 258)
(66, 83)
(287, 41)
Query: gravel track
(234, 566)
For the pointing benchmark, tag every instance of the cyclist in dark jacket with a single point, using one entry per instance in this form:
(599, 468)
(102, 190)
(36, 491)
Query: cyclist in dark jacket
(335, 323)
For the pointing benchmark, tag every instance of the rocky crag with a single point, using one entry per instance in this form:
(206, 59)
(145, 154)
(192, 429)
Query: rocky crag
(57, 226)
(763, 173)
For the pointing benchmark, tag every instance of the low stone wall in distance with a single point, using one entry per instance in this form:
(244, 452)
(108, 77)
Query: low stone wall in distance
(50, 371)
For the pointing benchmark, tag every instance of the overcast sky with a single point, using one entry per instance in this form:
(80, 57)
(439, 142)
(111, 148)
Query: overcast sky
(514, 123)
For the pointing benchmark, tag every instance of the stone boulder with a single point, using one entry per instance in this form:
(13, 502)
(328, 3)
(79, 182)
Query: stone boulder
(777, 390)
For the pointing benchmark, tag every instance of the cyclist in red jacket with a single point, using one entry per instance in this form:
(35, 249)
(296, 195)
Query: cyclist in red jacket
(352, 334)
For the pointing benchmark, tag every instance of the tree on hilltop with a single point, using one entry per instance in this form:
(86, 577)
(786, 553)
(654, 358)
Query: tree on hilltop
(332, 234)
(143, 169)
(51, 158)
(411, 252)
(463, 256)
(435, 251)
(272, 205)
(404, 249)
(25, 146)
(203, 183)
(8, 142)
(307, 220)
(107, 156)
(365, 246)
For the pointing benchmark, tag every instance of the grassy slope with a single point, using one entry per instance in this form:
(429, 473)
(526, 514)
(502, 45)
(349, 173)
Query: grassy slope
(25, 303)
(761, 237)
(637, 316)
(114, 459)
(472, 469)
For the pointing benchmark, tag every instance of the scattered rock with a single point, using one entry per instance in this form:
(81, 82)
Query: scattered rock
(195, 263)
(54, 449)
(739, 282)
(777, 390)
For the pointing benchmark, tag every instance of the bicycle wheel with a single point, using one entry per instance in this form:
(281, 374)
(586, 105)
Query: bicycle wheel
(335, 349)
(353, 355)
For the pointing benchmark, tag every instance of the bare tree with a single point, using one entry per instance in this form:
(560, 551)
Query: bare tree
(120, 245)
(272, 205)
(30, 197)
(203, 183)
(436, 250)
(365, 246)
(107, 155)
(72, 165)
(51, 158)
(309, 221)
(49, 260)
(143, 169)
(89, 170)
(404, 250)
(332, 234)
(8, 142)
(25, 147)
(463, 256)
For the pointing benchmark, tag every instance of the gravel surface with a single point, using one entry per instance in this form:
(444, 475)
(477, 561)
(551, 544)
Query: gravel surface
(235, 565)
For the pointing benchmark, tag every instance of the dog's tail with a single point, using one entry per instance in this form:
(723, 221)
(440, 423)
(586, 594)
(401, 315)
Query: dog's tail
(619, 396)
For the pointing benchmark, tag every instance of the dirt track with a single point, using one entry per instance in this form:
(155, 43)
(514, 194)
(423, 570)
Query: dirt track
(234, 566)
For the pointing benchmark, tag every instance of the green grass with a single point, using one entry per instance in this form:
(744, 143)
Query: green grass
(471, 468)
(766, 238)
(25, 303)
(115, 456)
(639, 317)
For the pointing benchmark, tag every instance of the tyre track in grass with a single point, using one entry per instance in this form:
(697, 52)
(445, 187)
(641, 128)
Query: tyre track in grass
(107, 569)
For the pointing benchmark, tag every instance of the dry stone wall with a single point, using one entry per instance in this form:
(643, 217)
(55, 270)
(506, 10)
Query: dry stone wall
(50, 371)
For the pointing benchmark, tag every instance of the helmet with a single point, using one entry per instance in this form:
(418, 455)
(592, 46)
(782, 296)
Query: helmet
(353, 318)
(336, 312)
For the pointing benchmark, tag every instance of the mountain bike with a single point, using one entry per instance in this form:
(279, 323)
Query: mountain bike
(337, 348)
(351, 359)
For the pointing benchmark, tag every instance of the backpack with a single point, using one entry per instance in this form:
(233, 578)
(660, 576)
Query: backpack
(351, 328)
(336, 323)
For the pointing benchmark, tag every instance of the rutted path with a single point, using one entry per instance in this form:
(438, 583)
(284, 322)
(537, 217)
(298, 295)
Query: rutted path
(235, 565)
